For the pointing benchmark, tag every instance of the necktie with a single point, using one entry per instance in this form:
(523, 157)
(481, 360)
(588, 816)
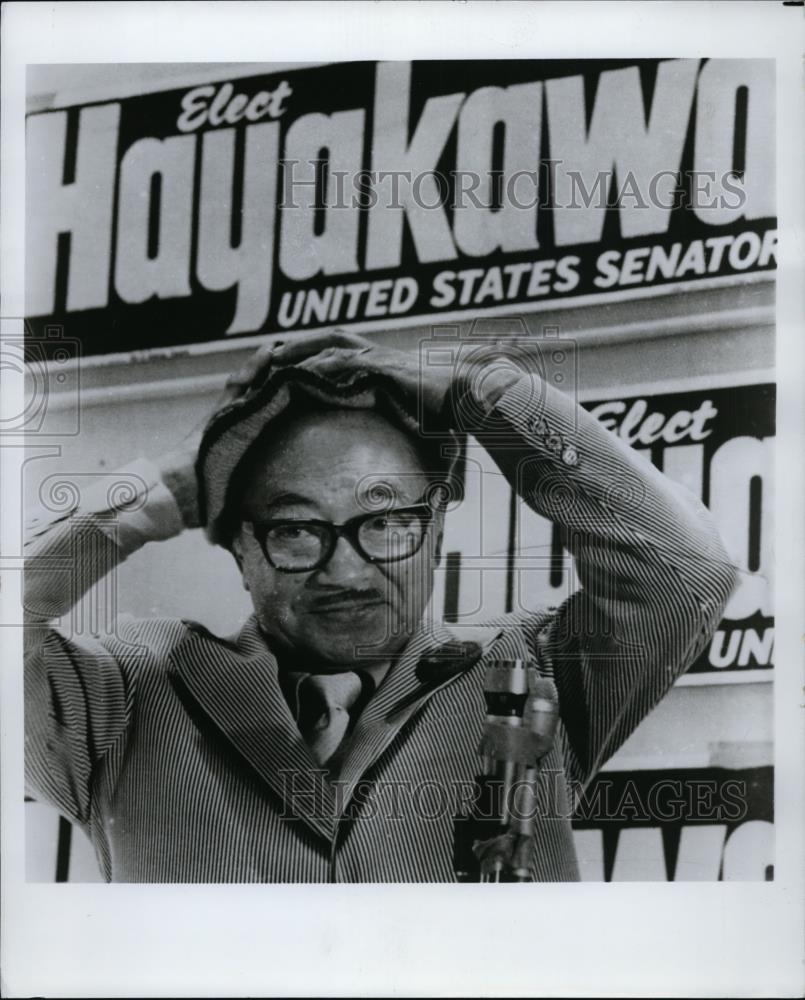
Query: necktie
(327, 699)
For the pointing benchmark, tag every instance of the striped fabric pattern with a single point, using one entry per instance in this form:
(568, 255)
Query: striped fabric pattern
(176, 751)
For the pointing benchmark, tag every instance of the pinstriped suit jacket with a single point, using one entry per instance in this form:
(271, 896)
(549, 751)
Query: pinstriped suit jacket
(177, 753)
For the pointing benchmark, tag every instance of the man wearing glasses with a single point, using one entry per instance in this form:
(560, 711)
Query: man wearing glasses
(335, 738)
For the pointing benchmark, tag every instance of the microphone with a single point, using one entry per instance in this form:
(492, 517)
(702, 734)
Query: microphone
(505, 693)
(540, 719)
(449, 660)
(519, 729)
(446, 662)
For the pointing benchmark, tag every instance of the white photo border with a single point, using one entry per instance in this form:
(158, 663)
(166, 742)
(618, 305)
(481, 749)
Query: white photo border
(547, 940)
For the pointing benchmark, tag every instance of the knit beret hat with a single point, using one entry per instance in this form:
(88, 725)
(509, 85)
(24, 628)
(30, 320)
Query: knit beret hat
(235, 428)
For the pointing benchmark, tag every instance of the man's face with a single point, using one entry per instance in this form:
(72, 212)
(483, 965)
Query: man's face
(335, 466)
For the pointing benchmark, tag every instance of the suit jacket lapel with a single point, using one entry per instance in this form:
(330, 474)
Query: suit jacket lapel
(402, 695)
(398, 698)
(237, 688)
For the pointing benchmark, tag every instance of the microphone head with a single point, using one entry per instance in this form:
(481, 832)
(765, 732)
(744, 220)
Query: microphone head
(542, 688)
(541, 711)
(506, 687)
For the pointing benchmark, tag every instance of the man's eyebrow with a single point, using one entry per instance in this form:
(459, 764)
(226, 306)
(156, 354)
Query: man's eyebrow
(286, 500)
(376, 493)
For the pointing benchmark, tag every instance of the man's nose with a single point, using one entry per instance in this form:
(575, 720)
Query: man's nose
(346, 566)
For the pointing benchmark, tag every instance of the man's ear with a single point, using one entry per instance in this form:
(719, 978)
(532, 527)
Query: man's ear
(439, 538)
(236, 549)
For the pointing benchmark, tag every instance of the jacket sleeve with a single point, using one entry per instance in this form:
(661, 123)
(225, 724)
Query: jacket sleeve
(654, 574)
(76, 692)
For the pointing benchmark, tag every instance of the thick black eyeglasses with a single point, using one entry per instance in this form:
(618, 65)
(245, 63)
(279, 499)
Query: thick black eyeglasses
(294, 545)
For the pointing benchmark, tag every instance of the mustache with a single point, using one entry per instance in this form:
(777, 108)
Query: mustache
(337, 598)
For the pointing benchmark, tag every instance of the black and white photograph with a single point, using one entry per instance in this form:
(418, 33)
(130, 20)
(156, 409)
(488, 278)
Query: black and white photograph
(395, 448)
